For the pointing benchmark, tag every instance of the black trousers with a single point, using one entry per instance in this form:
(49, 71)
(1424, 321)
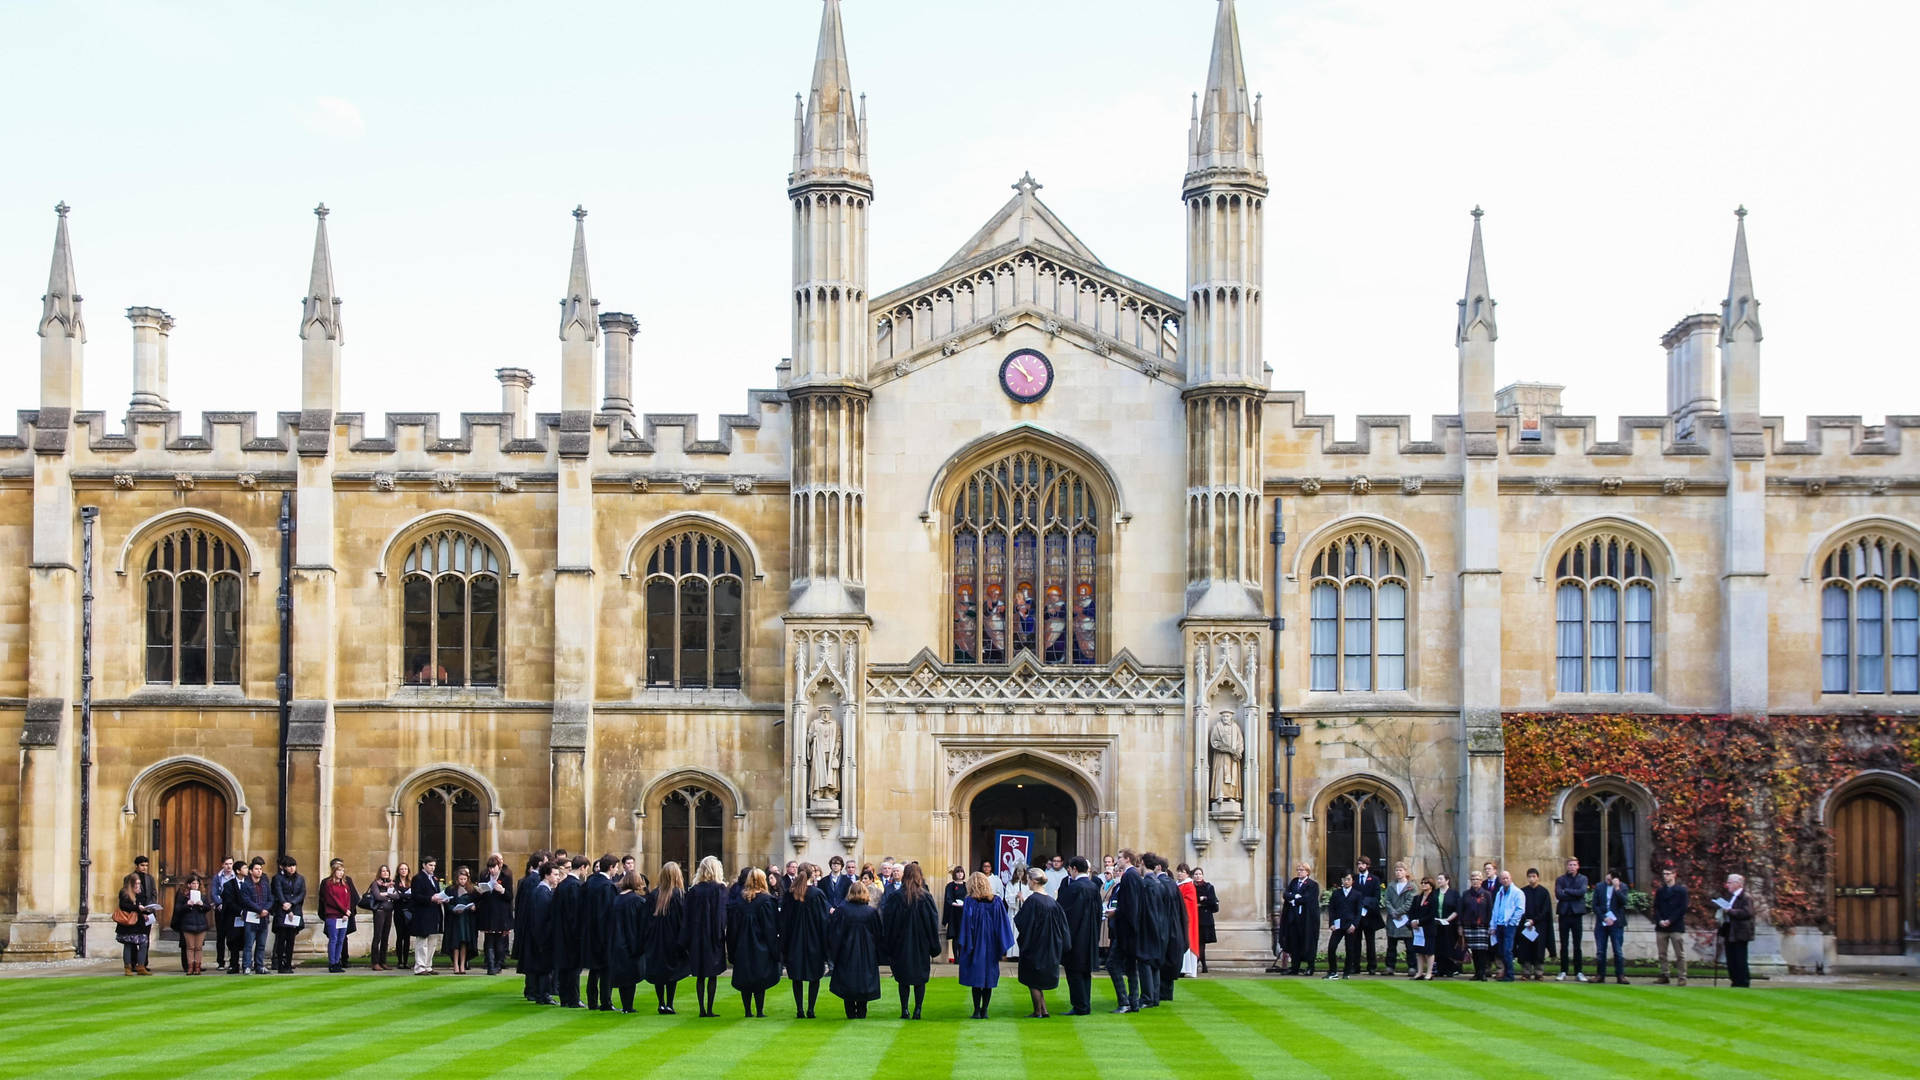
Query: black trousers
(1367, 934)
(1336, 939)
(569, 979)
(1169, 974)
(599, 990)
(1298, 940)
(1572, 925)
(1080, 990)
(382, 930)
(1126, 979)
(283, 948)
(1394, 947)
(1149, 982)
(1737, 973)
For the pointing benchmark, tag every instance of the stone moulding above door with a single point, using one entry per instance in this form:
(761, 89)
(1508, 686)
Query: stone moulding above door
(1122, 682)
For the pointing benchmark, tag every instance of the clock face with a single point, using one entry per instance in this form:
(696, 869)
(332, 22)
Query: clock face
(1026, 375)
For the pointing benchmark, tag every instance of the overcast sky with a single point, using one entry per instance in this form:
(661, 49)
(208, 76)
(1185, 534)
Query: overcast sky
(1609, 144)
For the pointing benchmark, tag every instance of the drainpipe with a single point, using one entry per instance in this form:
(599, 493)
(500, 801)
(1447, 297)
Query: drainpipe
(1280, 796)
(283, 684)
(87, 514)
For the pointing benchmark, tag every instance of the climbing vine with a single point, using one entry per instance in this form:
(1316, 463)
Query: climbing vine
(1735, 793)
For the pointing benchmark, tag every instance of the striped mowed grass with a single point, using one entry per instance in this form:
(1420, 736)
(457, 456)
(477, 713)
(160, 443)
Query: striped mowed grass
(1219, 1028)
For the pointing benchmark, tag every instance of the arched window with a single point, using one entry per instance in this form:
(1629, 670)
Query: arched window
(1025, 545)
(1607, 835)
(1358, 600)
(695, 614)
(447, 827)
(1603, 617)
(193, 610)
(1359, 822)
(451, 633)
(1870, 617)
(692, 826)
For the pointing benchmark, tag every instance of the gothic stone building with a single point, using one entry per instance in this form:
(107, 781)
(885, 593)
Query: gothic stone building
(595, 629)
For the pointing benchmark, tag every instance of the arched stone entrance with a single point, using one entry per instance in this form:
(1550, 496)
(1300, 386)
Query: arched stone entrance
(1026, 792)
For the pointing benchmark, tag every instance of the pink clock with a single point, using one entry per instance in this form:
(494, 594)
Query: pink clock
(1026, 375)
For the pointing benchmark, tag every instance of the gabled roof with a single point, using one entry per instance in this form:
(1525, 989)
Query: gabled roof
(1005, 227)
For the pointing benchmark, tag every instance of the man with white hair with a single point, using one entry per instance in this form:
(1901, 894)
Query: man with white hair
(1736, 927)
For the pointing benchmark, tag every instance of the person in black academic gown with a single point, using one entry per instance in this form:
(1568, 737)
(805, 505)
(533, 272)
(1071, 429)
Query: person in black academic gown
(853, 945)
(1173, 908)
(803, 940)
(910, 936)
(626, 938)
(1042, 930)
(494, 914)
(532, 878)
(1209, 903)
(568, 933)
(753, 943)
(666, 959)
(704, 933)
(1080, 903)
(596, 909)
(1150, 931)
(1130, 898)
(537, 935)
(952, 903)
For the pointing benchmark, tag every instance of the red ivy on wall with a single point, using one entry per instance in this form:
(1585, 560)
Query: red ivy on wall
(1737, 794)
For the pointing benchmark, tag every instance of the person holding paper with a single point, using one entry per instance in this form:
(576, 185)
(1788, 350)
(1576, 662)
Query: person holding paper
(1367, 885)
(1396, 906)
(424, 911)
(256, 914)
(1080, 901)
(1208, 902)
(379, 900)
(461, 919)
(1570, 890)
(337, 903)
(493, 915)
(1445, 932)
(1476, 924)
(1421, 914)
(233, 918)
(1300, 920)
(192, 913)
(1670, 925)
(1536, 928)
(1610, 926)
(1735, 917)
(1343, 927)
(289, 901)
(222, 928)
(1509, 907)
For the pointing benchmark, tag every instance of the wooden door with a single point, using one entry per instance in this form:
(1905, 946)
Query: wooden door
(1869, 843)
(189, 835)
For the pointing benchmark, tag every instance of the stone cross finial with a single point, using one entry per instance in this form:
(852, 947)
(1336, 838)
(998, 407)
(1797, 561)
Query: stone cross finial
(579, 213)
(1741, 211)
(321, 211)
(62, 208)
(1477, 212)
(1026, 185)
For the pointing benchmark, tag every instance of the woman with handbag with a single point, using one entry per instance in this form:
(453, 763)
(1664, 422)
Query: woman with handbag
(131, 926)
(380, 901)
(192, 914)
(337, 903)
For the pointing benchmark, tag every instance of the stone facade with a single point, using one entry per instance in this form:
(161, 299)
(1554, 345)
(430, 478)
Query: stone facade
(891, 405)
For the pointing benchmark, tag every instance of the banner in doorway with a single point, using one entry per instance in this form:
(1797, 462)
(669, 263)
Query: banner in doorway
(1012, 849)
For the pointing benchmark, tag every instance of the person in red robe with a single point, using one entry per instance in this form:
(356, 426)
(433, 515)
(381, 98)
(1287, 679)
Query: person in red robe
(1190, 896)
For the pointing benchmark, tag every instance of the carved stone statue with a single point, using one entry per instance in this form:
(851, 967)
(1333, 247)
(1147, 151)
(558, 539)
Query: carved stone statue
(1227, 745)
(823, 755)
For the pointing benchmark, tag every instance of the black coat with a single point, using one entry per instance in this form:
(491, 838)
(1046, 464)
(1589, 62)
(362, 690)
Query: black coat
(1539, 909)
(1571, 892)
(803, 936)
(1343, 907)
(495, 912)
(753, 942)
(536, 930)
(951, 905)
(835, 889)
(666, 960)
(1139, 919)
(1209, 901)
(522, 910)
(1041, 928)
(1300, 917)
(853, 941)
(423, 914)
(1670, 904)
(910, 937)
(192, 919)
(1080, 903)
(626, 939)
(596, 908)
(283, 888)
(1602, 905)
(1369, 893)
(704, 933)
(1174, 904)
(568, 916)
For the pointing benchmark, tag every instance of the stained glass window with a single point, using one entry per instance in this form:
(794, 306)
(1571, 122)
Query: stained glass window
(1025, 551)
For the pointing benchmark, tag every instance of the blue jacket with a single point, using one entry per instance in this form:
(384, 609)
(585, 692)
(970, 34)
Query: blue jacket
(1509, 906)
(985, 935)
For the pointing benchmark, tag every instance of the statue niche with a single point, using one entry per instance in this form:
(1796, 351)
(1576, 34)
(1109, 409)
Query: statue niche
(1226, 684)
(823, 715)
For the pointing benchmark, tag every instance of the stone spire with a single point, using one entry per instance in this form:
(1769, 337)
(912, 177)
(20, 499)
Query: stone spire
(830, 140)
(1740, 309)
(60, 307)
(1226, 129)
(320, 309)
(578, 306)
(1740, 351)
(1476, 305)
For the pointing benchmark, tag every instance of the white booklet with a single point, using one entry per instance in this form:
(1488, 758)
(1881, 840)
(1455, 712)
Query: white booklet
(1400, 922)
(1530, 934)
(193, 896)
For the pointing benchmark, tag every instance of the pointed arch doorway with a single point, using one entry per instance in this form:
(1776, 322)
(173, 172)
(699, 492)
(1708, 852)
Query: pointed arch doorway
(1024, 792)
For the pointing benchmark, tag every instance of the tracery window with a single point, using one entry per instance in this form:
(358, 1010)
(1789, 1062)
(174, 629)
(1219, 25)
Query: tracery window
(1606, 835)
(1870, 617)
(692, 826)
(450, 585)
(695, 594)
(193, 610)
(1358, 823)
(1603, 617)
(1025, 546)
(447, 827)
(1358, 606)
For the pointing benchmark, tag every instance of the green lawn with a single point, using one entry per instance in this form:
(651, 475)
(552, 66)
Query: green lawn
(399, 1026)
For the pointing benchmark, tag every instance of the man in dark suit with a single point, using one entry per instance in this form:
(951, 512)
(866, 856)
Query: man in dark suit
(289, 895)
(424, 914)
(568, 924)
(1300, 920)
(1670, 925)
(538, 947)
(1736, 927)
(835, 884)
(1570, 893)
(1343, 927)
(1610, 926)
(1366, 885)
(1129, 899)
(1080, 900)
(597, 915)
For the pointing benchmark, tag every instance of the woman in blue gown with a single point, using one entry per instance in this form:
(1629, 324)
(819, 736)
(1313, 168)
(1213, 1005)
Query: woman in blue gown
(985, 936)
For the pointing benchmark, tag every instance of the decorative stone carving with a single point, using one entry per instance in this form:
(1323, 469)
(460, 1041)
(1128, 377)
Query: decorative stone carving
(247, 481)
(1151, 369)
(692, 482)
(1227, 745)
(1087, 761)
(639, 484)
(183, 482)
(1410, 485)
(1101, 348)
(385, 482)
(509, 482)
(1051, 326)
(1611, 485)
(1673, 485)
(1361, 485)
(1310, 485)
(1546, 485)
(446, 481)
(962, 758)
(1002, 325)
(1881, 485)
(123, 481)
(901, 368)
(950, 347)
(926, 681)
(1814, 487)
(823, 755)
(743, 485)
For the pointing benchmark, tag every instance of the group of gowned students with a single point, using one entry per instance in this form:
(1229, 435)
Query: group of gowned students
(1496, 920)
(566, 917)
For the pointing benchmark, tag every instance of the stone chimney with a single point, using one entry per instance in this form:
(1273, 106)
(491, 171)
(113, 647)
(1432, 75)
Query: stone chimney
(1530, 402)
(515, 384)
(1693, 371)
(617, 330)
(150, 330)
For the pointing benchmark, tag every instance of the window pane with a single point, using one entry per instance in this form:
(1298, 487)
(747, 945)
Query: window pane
(676, 830)
(693, 633)
(1326, 672)
(1587, 839)
(1833, 639)
(708, 829)
(1357, 628)
(160, 629)
(1342, 838)
(451, 628)
(485, 627)
(966, 612)
(1393, 636)
(1606, 639)
(1056, 625)
(660, 612)
(726, 633)
(1373, 830)
(994, 601)
(226, 629)
(1622, 838)
(1570, 667)
(1906, 640)
(1025, 603)
(465, 842)
(1086, 613)
(193, 630)
(417, 630)
(431, 835)
(1869, 642)
(1639, 644)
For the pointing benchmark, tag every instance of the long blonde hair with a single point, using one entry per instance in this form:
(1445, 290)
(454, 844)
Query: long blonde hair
(670, 884)
(710, 870)
(978, 887)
